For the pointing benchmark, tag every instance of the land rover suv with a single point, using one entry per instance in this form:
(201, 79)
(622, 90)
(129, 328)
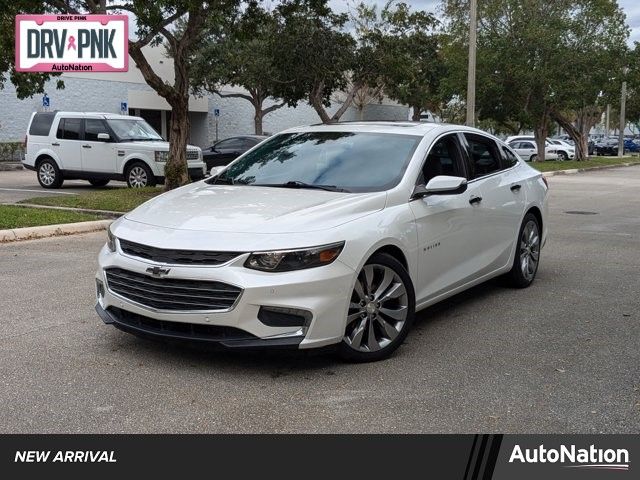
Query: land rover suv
(99, 147)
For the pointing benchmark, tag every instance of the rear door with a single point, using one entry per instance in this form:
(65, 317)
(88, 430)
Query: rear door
(98, 155)
(501, 201)
(68, 143)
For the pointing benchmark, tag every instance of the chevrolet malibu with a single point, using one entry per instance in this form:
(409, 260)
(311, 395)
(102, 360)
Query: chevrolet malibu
(326, 235)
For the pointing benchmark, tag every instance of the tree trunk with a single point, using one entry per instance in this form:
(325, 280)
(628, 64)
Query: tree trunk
(415, 116)
(541, 132)
(581, 143)
(257, 119)
(175, 171)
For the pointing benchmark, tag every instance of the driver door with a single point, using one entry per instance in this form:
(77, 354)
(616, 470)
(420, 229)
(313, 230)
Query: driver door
(446, 224)
(97, 155)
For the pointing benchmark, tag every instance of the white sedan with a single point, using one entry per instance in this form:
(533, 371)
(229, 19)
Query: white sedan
(528, 150)
(326, 235)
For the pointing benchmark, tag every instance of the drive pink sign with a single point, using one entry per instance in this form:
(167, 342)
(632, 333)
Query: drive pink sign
(72, 43)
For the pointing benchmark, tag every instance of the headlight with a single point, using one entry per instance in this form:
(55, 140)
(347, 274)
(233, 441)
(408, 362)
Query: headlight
(111, 240)
(162, 155)
(287, 260)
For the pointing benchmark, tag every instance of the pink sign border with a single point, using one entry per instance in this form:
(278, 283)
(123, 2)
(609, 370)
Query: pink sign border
(97, 67)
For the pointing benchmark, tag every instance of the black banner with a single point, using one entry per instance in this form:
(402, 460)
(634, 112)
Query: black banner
(459, 457)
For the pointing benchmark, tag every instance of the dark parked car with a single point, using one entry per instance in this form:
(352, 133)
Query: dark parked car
(225, 151)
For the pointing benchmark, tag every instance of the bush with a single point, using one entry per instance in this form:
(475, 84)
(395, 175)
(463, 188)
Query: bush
(11, 151)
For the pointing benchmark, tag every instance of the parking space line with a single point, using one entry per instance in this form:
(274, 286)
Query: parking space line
(36, 191)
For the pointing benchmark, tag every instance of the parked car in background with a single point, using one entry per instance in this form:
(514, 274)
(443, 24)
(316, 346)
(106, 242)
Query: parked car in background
(565, 150)
(607, 146)
(326, 235)
(99, 147)
(528, 150)
(225, 151)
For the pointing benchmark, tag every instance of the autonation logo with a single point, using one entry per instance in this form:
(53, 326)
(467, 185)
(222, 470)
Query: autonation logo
(573, 457)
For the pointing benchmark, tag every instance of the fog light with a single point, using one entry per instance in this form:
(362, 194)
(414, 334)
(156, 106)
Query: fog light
(285, 317)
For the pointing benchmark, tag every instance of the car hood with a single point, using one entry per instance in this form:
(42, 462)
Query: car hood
(247, 209)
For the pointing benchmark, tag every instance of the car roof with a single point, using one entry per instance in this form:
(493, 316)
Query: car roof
(400, 127)
(105, 115)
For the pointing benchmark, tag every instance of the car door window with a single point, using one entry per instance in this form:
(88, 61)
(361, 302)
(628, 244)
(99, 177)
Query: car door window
(528, 145)
(92, 127)
(230, 144)
(510, 159)
(69, 128)
(444, 158)
(484, 154)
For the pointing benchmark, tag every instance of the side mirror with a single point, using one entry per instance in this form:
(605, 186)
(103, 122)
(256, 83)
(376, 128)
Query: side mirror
(104, 137)
(441, 185)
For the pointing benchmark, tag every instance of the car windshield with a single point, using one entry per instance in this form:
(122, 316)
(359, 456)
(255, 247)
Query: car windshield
(340, 161)
(133, 130)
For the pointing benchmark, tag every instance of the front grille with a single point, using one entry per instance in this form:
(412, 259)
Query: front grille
(192, 155)
(178, 329)
(170, 293)
(176, 257)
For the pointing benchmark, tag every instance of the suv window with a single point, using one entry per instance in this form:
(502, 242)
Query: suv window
(444, 158)
(92, 127)
(69, 128)
(41, 123)
(230, 143)
(484, 155)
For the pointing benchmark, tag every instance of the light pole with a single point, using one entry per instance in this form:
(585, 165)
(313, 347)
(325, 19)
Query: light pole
(623, 120)
(471, 77)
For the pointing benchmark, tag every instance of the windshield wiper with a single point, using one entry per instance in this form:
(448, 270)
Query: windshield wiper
(299, 184)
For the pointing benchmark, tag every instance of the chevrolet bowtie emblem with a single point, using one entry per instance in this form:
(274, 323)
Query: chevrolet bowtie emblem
(158, 271)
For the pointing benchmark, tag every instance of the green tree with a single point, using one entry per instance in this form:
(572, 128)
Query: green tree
(155, 24)
(243, 56)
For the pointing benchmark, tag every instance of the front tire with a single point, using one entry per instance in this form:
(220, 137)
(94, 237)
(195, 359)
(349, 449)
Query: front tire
(139, 175)
(49, 175)
(527, 257)
(381, 310)
(562, 156)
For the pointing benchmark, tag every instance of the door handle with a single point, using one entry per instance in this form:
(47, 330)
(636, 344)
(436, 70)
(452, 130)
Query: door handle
(475, 200)
(56, 144)
(86, 146)
(515, 188)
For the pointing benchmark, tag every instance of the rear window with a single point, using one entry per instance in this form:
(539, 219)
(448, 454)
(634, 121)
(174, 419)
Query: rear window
(41, 123)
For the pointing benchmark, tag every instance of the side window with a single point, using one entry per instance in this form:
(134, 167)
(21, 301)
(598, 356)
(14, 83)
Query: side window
(92, 127)
(444, 158)
(510, 159)
(484, 155)
(69, 128)
(41, 123)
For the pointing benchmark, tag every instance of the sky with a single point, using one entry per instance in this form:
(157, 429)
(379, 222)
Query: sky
(630, 7)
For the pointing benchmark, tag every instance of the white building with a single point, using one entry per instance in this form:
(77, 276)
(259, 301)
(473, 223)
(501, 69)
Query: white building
(106, 92)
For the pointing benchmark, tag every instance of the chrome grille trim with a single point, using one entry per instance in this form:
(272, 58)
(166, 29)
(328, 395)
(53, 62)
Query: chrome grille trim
(172, 294)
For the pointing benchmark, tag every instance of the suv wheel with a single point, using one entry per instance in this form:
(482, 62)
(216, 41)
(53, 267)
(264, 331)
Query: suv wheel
(381, 310)
(139, 175)
(49, 175)
(98, 182)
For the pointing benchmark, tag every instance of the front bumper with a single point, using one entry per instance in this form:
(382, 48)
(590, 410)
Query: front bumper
(323, 293)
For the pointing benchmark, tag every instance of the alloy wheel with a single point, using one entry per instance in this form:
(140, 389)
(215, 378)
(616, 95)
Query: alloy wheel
(47, 174)
(529, 250)
(378, 309)
(138, 177)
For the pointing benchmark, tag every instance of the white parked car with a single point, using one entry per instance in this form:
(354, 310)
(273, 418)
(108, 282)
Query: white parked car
(528, 150)
(564, 149)
(99, 147)
(329, 234)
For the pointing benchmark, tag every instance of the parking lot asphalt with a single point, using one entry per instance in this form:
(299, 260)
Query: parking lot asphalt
(562, 356)
(17, 185)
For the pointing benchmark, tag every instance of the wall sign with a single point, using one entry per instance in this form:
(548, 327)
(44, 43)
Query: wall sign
(72, 43)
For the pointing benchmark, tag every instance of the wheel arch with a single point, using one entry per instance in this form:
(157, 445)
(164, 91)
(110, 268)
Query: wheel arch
(535, 211)
(395, 252)
(45, 156)
(131, 161)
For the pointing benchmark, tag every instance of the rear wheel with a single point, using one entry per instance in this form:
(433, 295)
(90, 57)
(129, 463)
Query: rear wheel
(98, 182)
(562, 156)
(381, 310)
(49, 175)
(534, 158)
(139, 175)
(527, 257)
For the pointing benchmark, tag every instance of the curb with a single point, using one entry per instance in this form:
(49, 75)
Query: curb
(8, 166)
(588, 169)
(30, 233)
(104, 213)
